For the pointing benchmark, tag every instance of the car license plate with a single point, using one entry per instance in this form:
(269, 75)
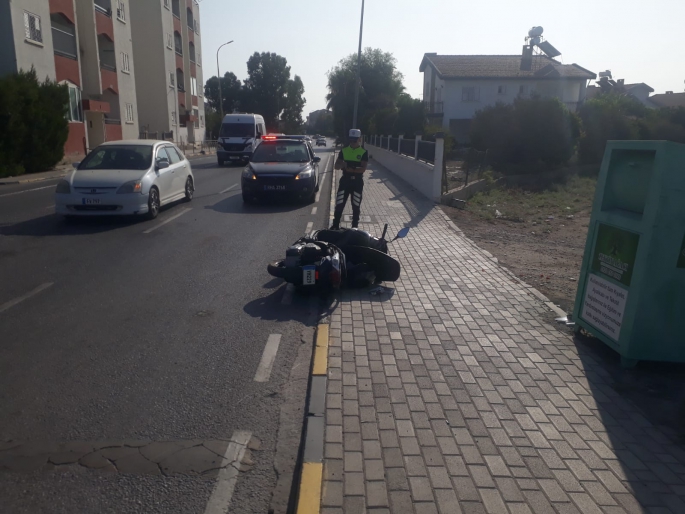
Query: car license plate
(308, 275)
(234, 157)
(274, 188)
(90, 201)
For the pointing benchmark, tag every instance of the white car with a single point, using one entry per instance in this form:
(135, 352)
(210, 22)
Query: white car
(124, 178)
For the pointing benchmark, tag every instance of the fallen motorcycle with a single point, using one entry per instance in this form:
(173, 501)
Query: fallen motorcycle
(337, 258)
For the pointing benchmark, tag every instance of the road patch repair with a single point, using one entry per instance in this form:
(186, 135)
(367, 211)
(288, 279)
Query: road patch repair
(187, 457)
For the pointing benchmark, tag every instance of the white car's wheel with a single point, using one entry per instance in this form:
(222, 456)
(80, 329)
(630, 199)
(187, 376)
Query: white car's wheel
(153, 203)
(190, 189)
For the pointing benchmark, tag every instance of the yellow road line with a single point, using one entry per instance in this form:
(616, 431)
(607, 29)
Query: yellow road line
(321, 351)
(309, 501)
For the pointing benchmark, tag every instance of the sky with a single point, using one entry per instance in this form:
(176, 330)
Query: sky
(638, 41)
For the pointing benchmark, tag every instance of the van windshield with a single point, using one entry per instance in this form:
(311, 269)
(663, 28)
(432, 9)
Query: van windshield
(237, 130)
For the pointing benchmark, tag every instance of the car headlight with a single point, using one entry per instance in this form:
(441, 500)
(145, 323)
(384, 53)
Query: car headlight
(248, 174)
(63, 187)
(134, 186)
(305, 174)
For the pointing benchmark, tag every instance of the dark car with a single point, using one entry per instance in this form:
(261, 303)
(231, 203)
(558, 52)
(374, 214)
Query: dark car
(281, 168)
(321, 142)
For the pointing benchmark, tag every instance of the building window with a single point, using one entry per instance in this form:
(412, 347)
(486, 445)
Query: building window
(75, 112)
(167, 4)
(173, 117)
(191, 51)
(470, 94)
(197, 27)
(32, 29)
(63, 36)
(125, 64)
(193, 86)
(169, 41)
(178, 43)
(179, 80)
(202, 120)
(129, 113)
(172, 79)
(501, 90)
(176, 8)
(189, 19)
(121, 10)
(196, 113)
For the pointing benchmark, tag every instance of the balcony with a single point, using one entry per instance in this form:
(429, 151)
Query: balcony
(96, 106)
(433, 109)
(104, 6)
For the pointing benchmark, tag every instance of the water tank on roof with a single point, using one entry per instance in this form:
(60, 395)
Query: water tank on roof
(535, 32)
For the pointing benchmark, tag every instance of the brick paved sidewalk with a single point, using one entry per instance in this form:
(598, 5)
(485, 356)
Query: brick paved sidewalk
(456, 393)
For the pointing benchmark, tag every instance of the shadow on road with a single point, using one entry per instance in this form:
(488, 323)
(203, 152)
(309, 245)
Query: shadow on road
(235, 205)
(56, 225)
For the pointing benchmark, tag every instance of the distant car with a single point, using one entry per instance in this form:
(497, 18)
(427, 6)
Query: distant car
(321, 142)
(281, 167)
(126, 177)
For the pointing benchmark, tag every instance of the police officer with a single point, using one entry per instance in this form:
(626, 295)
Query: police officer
(352, 160)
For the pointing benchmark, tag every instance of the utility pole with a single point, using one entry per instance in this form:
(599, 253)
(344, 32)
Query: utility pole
(218, 76)
(359, 65)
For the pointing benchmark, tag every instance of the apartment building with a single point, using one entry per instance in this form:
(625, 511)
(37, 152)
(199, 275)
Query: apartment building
(169, 85)
(85, 44)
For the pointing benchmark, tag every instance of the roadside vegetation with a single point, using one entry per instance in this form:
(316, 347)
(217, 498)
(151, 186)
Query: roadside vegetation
(33, 123)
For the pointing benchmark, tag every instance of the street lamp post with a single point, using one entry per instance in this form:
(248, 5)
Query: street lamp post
(359, 65)
(218, 76)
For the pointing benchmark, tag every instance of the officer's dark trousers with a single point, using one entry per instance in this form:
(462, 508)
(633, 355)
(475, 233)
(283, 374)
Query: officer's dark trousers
(349, 185)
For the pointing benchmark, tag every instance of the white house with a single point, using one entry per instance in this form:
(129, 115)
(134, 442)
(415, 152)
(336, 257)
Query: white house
(455, 87)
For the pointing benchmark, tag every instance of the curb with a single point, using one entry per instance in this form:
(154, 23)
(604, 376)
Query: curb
(11, 181)
(311, 478)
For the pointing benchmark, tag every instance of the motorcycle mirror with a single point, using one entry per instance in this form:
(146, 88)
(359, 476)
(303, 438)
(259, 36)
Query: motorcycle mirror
(402, 233)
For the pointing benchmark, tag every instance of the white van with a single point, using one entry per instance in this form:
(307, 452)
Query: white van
(239, 136)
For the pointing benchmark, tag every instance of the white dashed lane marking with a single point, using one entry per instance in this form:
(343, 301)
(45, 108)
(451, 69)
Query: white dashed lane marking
(228, 189)
(309, 227)
(288, 295)
(171, 218)
(314, 209)
(8, 305)
(228, 475)
(268, 357)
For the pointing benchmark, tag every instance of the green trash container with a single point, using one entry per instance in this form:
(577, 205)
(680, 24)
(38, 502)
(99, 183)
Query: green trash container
(631, 291)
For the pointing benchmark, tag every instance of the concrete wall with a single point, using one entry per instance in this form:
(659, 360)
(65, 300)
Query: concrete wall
(418, 174)
(127, 85)
(150, 24)
(199, 131)
(28, 53)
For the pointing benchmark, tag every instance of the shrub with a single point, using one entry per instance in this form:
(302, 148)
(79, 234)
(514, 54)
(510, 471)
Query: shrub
(33, 123)
(607, 117)
(527, 136)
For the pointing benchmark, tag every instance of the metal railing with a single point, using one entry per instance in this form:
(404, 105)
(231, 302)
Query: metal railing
(426, 152)
(107, 66)
(64, 43)
(104, 6)
(407, 147)
(394, 143)
(198, 148)
(112, 121)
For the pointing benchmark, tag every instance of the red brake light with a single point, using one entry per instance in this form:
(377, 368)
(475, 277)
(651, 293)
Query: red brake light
(269, 138)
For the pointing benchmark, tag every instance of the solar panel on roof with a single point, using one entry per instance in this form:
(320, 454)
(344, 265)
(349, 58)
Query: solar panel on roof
(549, 50)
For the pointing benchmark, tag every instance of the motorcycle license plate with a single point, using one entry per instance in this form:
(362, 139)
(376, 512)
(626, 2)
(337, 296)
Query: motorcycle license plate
(308, 275)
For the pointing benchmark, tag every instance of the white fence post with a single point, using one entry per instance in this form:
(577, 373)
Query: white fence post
(399, 144)
(437, 165)
(416, 147)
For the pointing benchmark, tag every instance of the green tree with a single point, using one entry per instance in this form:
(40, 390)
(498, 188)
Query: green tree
(608, 117)
(33, 123)
(525, 134)
(266, 86)
(410, 116)
(294, 104)
(379, 92)
(231, 89)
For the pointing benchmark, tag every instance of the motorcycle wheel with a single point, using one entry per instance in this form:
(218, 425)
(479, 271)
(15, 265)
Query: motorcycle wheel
(276, 269)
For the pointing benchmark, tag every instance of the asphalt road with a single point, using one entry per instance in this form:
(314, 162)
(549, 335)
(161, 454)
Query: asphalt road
(121, 335)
